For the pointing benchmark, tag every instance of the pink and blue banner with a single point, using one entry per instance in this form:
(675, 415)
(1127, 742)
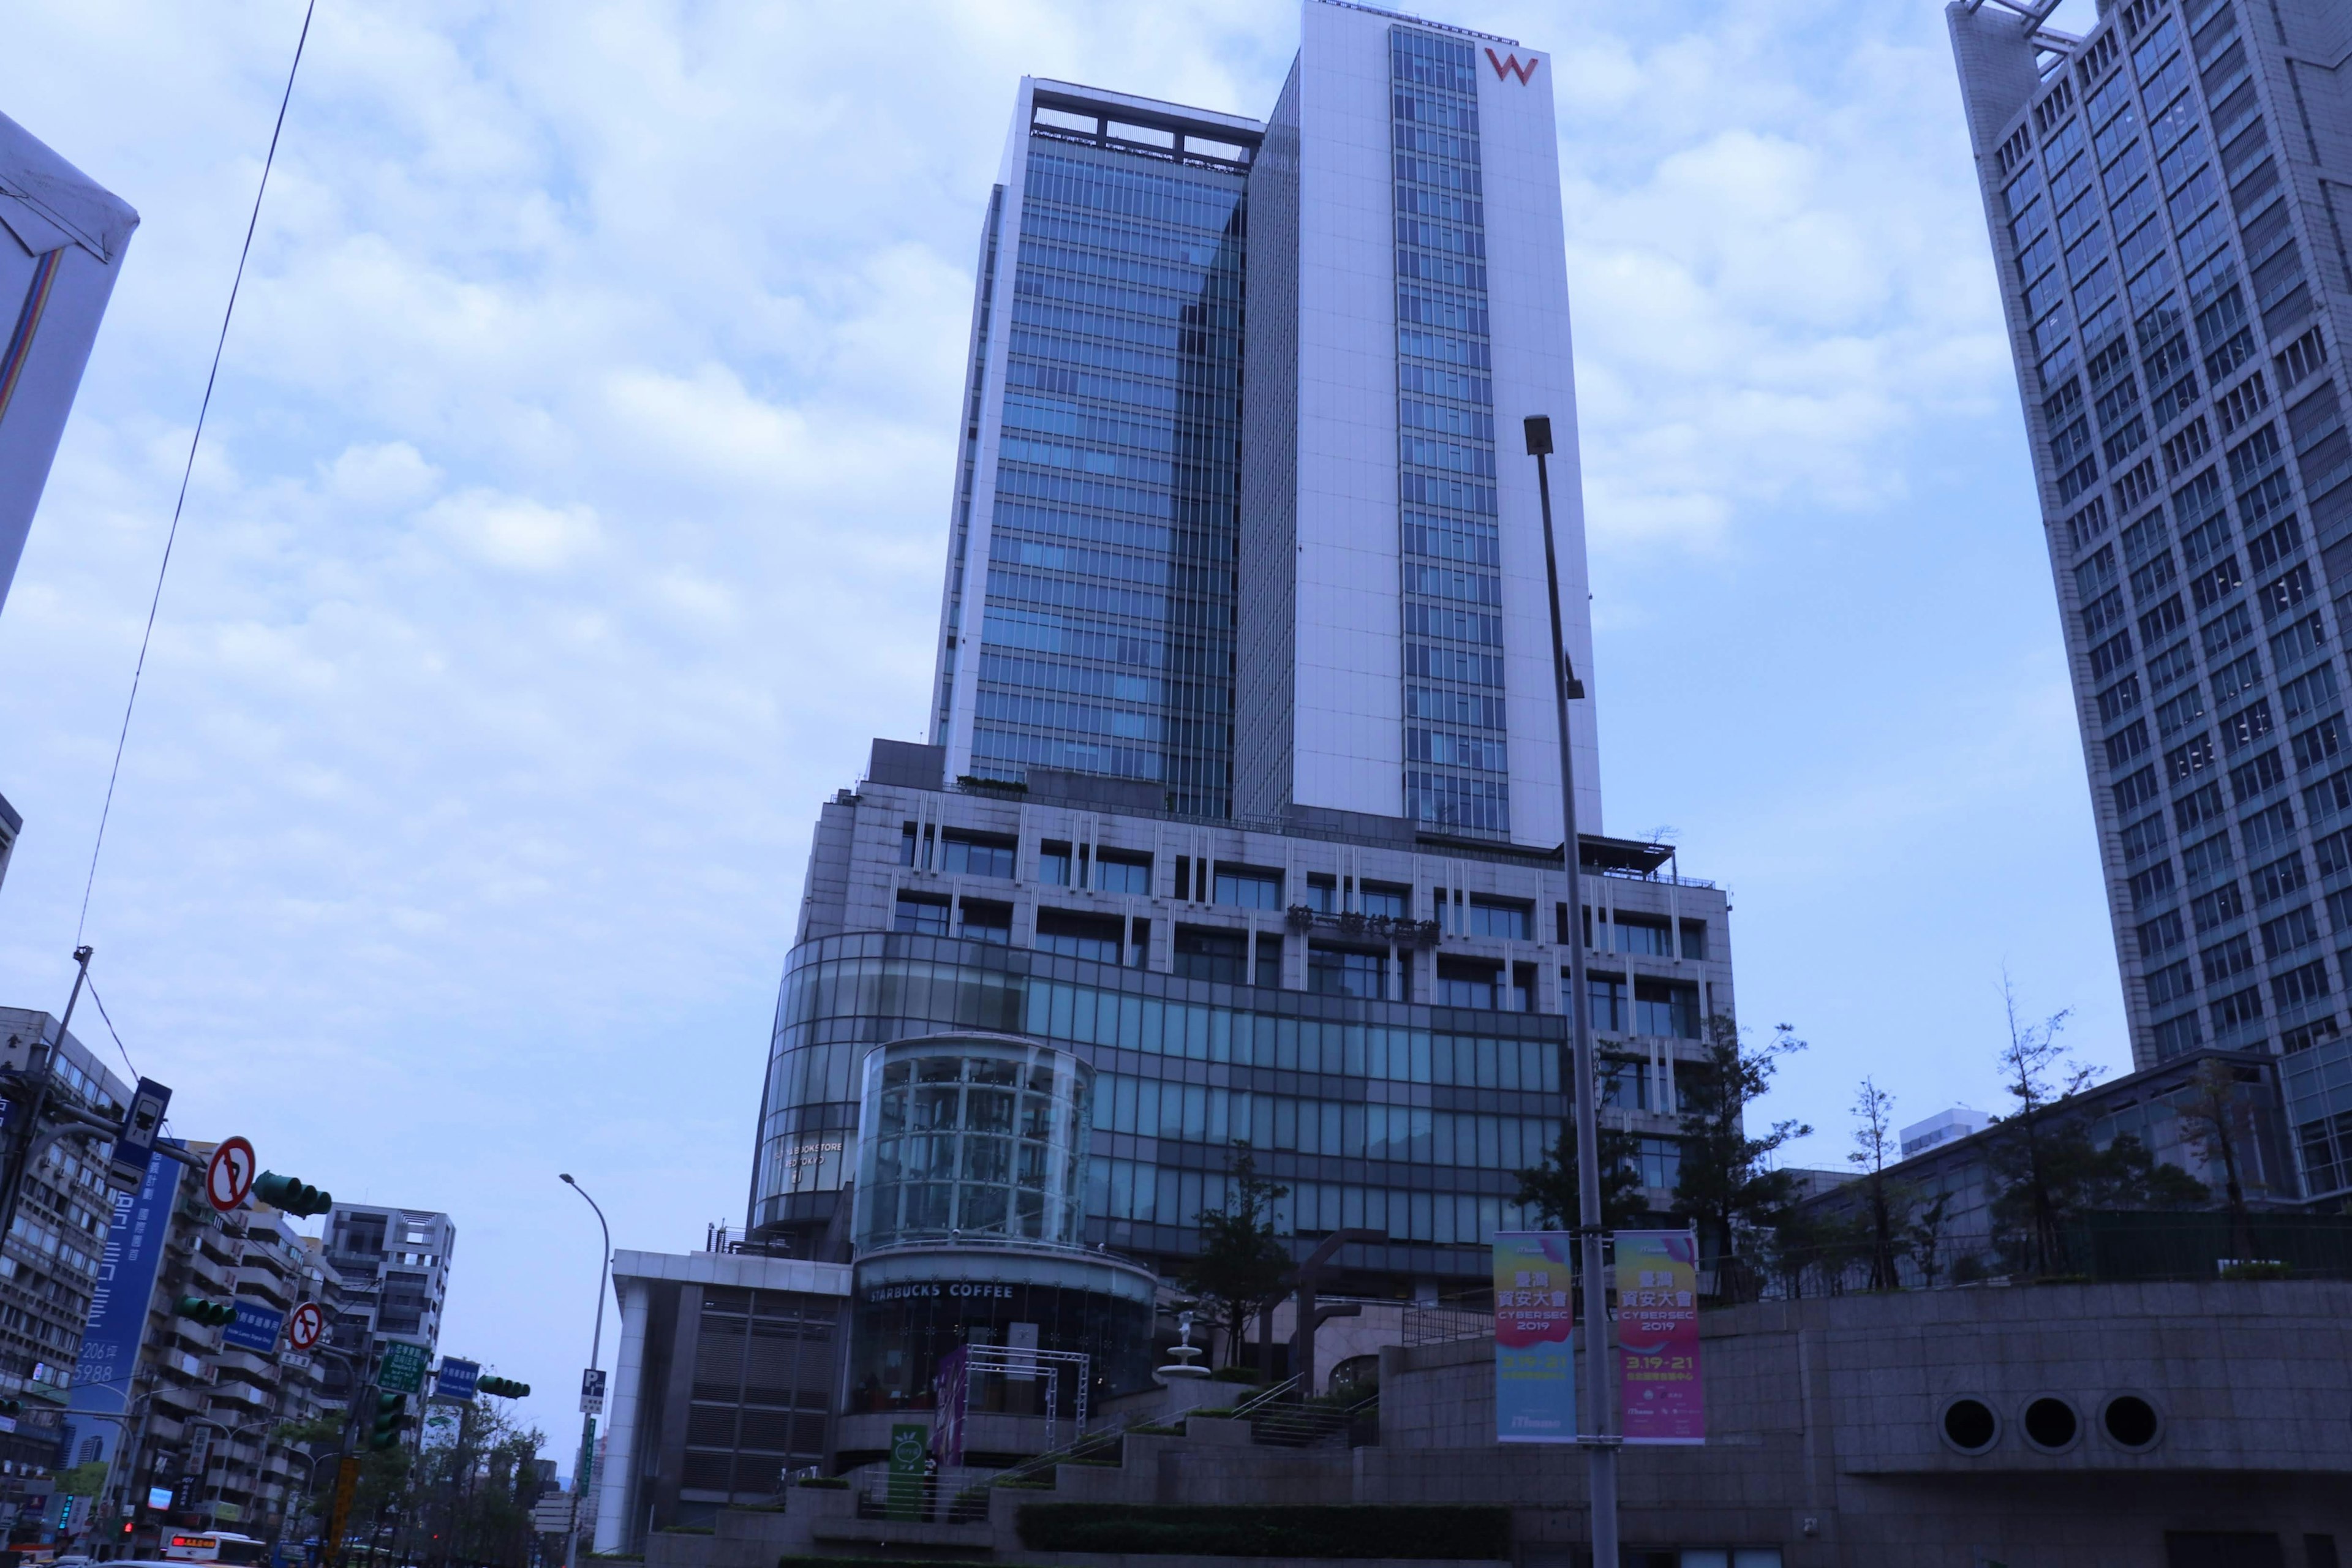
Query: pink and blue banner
(1535, 1379)
(1658, 1337)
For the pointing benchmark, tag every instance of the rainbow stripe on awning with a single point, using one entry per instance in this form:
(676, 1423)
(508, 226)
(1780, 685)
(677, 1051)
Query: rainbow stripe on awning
(28, 321)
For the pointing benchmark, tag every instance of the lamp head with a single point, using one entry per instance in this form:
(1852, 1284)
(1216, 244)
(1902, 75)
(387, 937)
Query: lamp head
(567, 1177)
(1539, 435)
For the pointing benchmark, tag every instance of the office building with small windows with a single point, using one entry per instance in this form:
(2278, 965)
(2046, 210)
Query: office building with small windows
(2163, 195)
(394, 1268)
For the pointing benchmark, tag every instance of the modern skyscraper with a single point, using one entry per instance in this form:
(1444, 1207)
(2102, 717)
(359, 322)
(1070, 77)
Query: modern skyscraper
(2165, 199)
(1324, 592)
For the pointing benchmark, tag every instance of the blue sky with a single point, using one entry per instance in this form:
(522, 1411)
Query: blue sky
(573, 506)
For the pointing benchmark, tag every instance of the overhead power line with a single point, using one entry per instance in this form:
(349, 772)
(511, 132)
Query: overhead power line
(252, 223)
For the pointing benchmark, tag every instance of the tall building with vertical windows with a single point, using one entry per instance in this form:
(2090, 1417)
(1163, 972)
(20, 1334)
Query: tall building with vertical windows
(1240, 814)
(1241, 514)
(2166, 196)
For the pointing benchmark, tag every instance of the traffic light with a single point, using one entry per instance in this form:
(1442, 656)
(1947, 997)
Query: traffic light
(12, 1407)
(390, 1420)
(504, 1387)
(292, 1194)
(211, 1314)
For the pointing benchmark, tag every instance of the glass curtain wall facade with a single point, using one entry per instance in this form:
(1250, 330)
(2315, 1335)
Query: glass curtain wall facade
(1457, 764)
(2173, 293)
(1107, 633)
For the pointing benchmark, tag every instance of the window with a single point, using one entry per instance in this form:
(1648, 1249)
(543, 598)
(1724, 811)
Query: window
(1662, 1162)
(2306, 692)
(2279, 879)
(2234, 626)
(2112, 654)
(2297, 643)
(2321, 742)
(981, 922)
(976, 855)
(1055, 865)
(924, 914)
(2180, 713)
(1497, 917)
(2161, 935)
(2205, 861)
(1665, 1008)
(2174, 663)
(2144, 839)
(2169, 985)
(1609, 1008)
(1344, 972)
(2270, 825)
(1075, 935)
(1269, 964)
(2226, 959)
(2303, 356)
(2166, 617)
(2120, 699)
(2283, 594)
(2151, 579)
(1695, 939)
(1249, 889)
(2334, 853)
(2304, 1036)
(1117, 871)
(2237, 1011)
(1462, 982)
(2294, 930)
(906, 845)
(2175, 1036)
(1323, 894)
(2187, 760)
(2251, 779)
(2154, 883)
(2216, 583)
(2237, 675)
(2223, 904)
(1637, 933)
(2247, 725)
(1220, 955)
(1384, 899)
(2200, 805)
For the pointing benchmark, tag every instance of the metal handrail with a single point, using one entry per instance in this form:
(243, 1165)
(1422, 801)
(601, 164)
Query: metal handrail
(1266, 1397)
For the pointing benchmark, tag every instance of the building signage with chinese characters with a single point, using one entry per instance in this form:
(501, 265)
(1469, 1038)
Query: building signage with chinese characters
(1657, 1336)
(254, 1328)
(118, 1307)
(402, 1371)
(1535, 1380)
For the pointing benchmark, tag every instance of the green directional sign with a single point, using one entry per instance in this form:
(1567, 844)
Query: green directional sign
(402, 1368)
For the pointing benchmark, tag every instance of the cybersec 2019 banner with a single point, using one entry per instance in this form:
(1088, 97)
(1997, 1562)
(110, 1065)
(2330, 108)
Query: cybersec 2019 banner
(1658, 1337)
(1535, 1381)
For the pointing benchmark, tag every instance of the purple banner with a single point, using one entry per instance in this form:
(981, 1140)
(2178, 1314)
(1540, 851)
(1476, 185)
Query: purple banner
(1658, 1337)
(949, 1391)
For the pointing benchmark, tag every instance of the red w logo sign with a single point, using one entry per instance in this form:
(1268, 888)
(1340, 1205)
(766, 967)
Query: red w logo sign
(1509, 66)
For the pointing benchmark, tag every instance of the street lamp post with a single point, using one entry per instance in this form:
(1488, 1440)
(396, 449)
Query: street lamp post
(1600, 1440)
(595, 1352)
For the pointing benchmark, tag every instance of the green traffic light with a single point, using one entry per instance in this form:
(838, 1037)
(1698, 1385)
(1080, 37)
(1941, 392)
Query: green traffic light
(503, 1387)
(211, 1314)
(292, 1194)
(391, 1419)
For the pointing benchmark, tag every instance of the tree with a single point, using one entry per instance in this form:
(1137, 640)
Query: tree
(2219, 1124)
(1550, 1188)
(1241, 1266)
(1884, 1205)
(2072, 1175)
(1726, 1184)
(1924, 1237)
(2037, 1073)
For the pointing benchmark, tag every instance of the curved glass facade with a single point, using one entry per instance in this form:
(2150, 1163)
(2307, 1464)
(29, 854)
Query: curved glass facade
(914, 1305)
(973, 1135)
(1402, 1117)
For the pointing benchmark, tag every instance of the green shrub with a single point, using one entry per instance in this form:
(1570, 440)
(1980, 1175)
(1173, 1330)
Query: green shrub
(1245, 1532)
(830, 1483)
(2259, 1268)
(1233, 1375)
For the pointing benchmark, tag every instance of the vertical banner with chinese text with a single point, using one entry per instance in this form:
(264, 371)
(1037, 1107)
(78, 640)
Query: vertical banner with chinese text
(1535, 1380)
(950, 1390)
(1657, 1336)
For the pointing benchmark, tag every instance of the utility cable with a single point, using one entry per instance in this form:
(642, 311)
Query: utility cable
(204, 408)
(111, 1029)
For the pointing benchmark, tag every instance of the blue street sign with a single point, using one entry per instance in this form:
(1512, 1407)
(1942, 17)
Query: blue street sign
(457, 1379)
(255, 1327)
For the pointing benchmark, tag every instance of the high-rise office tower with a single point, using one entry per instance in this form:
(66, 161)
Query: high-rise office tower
(2166, 200)
(1242, 509)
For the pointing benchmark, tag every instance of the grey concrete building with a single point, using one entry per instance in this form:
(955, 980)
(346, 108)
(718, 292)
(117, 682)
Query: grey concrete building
(2160, 196)
(2054, 1426)
(394, 1268)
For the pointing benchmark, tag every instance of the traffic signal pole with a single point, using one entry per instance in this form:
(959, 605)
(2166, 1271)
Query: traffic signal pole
(36, 1069)
(1599, 1439)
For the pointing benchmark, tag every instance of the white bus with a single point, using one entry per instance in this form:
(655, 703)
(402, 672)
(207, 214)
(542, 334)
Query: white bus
(216, 1546)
